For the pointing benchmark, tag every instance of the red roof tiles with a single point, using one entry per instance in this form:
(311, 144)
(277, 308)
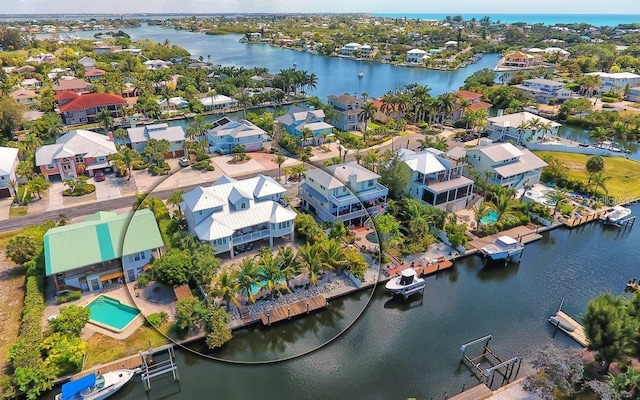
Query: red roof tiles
(66, 95)
(87, 101)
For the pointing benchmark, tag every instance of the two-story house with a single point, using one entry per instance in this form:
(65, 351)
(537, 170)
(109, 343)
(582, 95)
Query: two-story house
(544, 90)
(155, 65)
(298, 120)
(87, 63)
(506, 165)
(230, 213)
(437, 179)
(95, 74)
(105, 249)
(226, 134)
(218, 103)
(352, 49)
(71, 85)
(139, 136)
(519, 59)
(83, 109)
(8, 164)
(75, 153)
(348, 112)
(475, 100)
(616, 81)
(520, 128)
(416, 56)
(344, 192)
(24, 96)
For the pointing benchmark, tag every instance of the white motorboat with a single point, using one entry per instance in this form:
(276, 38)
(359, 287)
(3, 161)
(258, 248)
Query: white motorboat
(504, 247)
(617, 213)
(406, 284)
(96, 386)
(360, 74)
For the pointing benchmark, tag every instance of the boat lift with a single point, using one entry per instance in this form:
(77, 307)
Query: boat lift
(495, 363)
(151, 369)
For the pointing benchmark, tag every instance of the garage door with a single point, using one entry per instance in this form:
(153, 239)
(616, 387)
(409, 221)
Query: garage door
(179, 153)
(4, 193)
(168, 155)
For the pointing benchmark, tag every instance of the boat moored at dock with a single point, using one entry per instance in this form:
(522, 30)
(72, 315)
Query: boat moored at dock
(96, 386)
(616, 214)
(503, 248)
(406, 284)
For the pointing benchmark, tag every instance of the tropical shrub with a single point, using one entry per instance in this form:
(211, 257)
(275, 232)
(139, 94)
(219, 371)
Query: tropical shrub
(157, 319)
(70, 296)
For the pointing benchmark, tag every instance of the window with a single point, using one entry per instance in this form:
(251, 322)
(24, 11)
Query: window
(131, 275)
(50, 166)
(79, 158)
(370, 183)
(243, 205)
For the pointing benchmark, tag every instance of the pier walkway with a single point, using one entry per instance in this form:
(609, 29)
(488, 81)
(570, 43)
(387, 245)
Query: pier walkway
(479, 392)
(523, 234)
(288, 311)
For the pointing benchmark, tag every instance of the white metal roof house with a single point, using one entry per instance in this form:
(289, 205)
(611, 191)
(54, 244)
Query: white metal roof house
(618, 80)
(8, 163)
(438, 179)
(139, 137)
(513, 127)
(227, 133)
(230, 213)
(544, 90)
(344, 192)
(506, 164)
(218, 102)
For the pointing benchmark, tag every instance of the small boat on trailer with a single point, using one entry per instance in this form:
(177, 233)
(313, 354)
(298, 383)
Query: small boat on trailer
(406, 284)
(503, 248)
(96, 386)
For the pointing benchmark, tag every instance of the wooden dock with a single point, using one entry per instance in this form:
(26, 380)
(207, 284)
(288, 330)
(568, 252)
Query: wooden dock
(582, 219)
(479, 392)
(422, 269)
(289, 311)
(578, 334)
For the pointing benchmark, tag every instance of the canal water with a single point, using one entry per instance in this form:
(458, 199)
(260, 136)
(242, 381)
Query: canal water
(399, 349)
(582, 135)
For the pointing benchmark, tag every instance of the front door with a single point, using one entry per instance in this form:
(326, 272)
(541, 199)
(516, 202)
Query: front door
(95, 284)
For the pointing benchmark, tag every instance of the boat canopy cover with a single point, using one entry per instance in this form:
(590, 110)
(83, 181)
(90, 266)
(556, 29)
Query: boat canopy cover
(407, 276)
(72, 388)
(507, 240)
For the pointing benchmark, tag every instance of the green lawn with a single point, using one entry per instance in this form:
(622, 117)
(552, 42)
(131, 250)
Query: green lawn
(623, 173)
(103, 349)
(17, 211)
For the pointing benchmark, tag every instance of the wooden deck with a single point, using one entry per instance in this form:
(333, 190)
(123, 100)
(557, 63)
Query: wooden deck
(523, 234)
(479, 392)
(578, 334)
(291, 310)
(422, 269)
(583, 219)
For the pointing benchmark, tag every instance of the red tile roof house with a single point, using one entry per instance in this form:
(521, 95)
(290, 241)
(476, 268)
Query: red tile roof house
(71, 85)
(84, 108)
(95, 74)
(63, 159)
(476, 103)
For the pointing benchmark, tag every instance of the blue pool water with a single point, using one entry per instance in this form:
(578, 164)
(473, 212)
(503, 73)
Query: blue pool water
(110, 313)
(489, 218)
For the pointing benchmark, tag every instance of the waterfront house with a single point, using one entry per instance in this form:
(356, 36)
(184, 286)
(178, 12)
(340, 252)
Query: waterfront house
(173, 103)
(87, 63)
(139, 136)
(8, 164)
(218, 103)
(353, 49)
(476, 103)
(544, 90)
(230, 213)
(437, 179)
(226, 134)
(155, 65)
(297, 119)
(616, 81)
(83, 109)
(24, 96)
(519, 59)
(74, 153)
(344, 192)
(105, 249)
(348, 110)
(515, 127)
(506, 165)
(416, 56)
(75, 85)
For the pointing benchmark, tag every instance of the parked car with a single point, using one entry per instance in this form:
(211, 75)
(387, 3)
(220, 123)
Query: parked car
(184, 162)
(99, 176)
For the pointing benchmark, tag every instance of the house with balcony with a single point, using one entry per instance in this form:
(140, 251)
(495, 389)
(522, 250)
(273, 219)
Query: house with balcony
(506, 165)
(544, 90)
(616, 81)
(344, 192)
(227, 134)
(231, 213)
(106, 249)
(437, 179)
(297, 120)
(83, 109)
(416, 56)
(154, 65)
(353, 49)
(218, 103)
(95, 74)
(8, 164)
(75, 153)
(139, 136)
(519, 59)
(516, 128)
(348, 110)
(472, 97)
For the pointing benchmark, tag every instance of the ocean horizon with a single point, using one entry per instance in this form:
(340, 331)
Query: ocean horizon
(546, 19)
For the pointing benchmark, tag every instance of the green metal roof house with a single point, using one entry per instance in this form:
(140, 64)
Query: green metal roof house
(103, 249)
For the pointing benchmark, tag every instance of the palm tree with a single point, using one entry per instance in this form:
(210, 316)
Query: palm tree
(247, 278)
(503, 206)
(279, 159)
(388, 103)
(310, 259)
(333, 256)
(598, 181)
(480, 211)
(175, 198)
(524, 125)
(104, 119)
(62, 219)
(446, 103)
(245, 100)
(225, 286)
(125, 159)
(287, 263)
(546, 127)
(556, 197)
(271, 275)
(38, 185)
(368, 111)
(534, 124)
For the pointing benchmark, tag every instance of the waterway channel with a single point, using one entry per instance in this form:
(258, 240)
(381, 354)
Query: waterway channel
(401, 349)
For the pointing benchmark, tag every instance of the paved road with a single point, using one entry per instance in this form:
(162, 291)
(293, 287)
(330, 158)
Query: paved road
(128, 201)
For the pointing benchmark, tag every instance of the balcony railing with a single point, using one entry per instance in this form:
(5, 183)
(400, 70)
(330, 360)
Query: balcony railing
(250, 237)
(375, 192)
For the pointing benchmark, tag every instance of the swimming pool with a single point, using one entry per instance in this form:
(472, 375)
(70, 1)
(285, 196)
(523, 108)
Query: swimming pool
(110, 314)
(489, 218)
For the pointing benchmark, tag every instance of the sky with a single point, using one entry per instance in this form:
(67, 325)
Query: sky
(316, 6)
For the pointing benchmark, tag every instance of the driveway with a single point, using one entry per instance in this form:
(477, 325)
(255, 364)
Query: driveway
(5, 205)
(107, 189)
(55, 196)
(222, 163)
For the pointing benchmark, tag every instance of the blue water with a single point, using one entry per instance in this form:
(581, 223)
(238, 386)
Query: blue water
(490, 218)
(111, 312)
(547, 19)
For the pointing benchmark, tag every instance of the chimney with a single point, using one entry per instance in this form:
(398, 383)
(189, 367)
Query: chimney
(353, 181)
